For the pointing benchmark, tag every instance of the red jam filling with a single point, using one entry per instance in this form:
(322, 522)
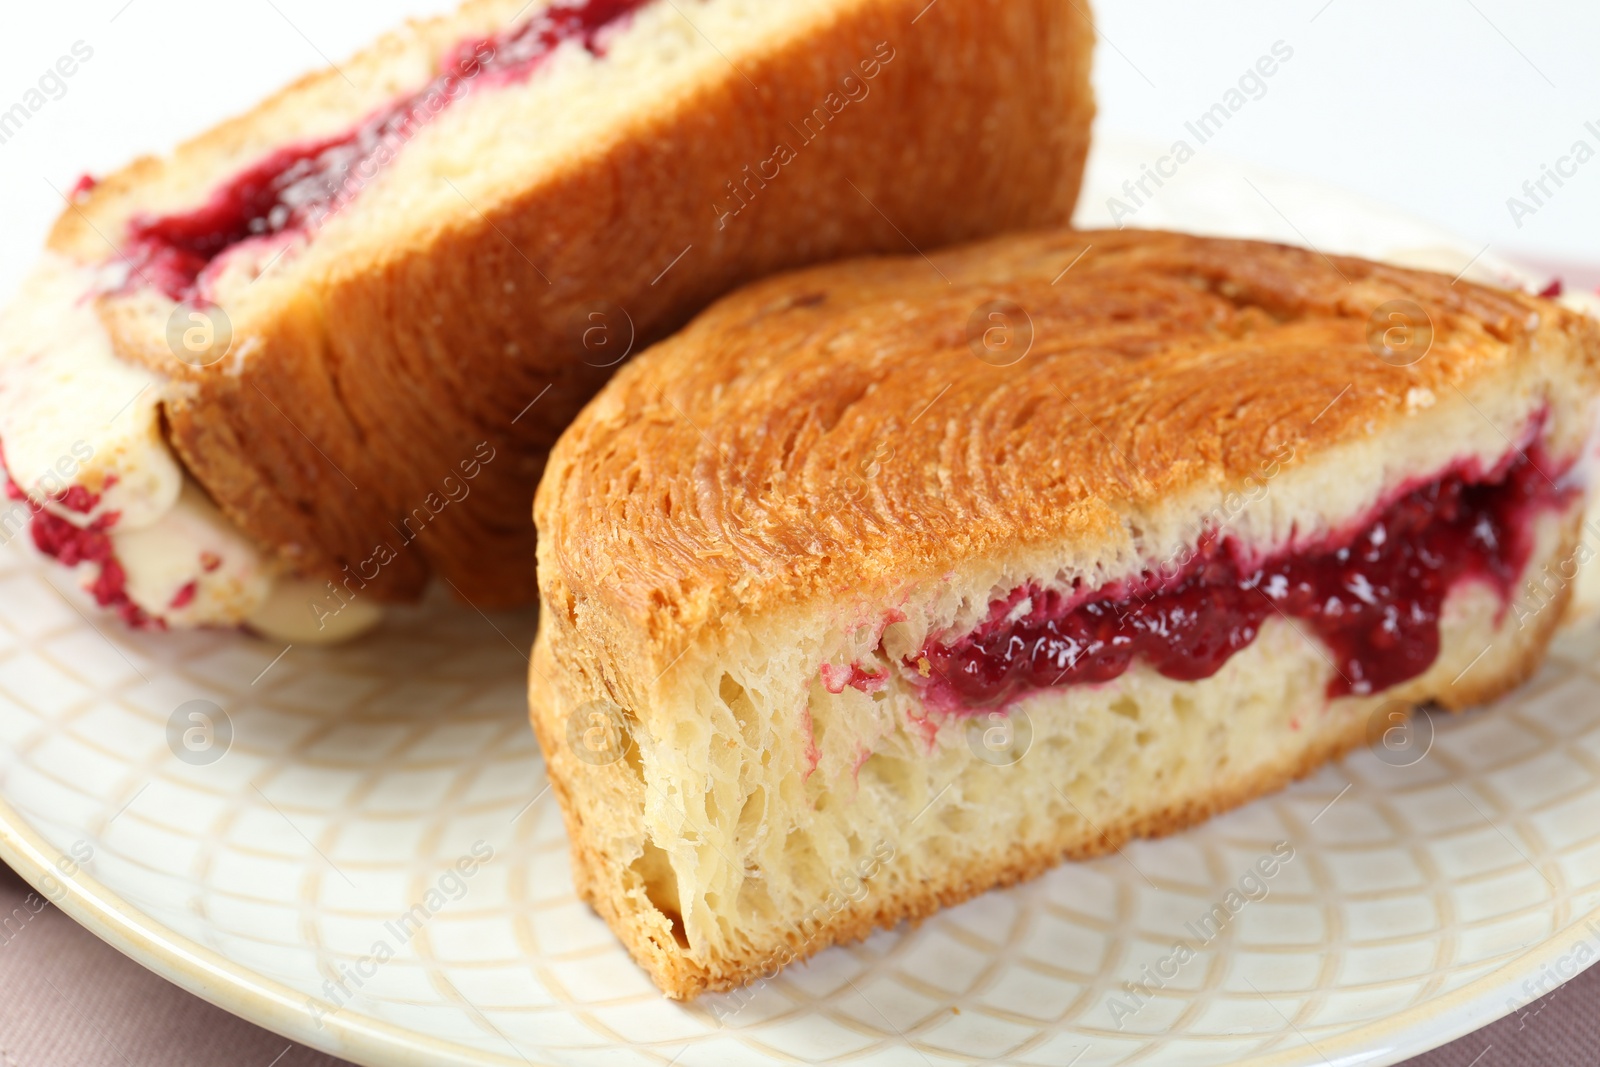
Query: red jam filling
(835, 679)
(296, 188)
(1372, 595)
(70, 544)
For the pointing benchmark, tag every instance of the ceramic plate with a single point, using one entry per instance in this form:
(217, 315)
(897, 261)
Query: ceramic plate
(356, 848)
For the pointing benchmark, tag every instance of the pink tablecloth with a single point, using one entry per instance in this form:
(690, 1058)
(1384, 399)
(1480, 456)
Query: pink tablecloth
(67, 1000)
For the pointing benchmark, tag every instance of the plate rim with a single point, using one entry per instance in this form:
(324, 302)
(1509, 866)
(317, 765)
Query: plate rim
(210, 976)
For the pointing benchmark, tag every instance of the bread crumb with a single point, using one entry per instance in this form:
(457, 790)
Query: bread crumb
(1418, 398)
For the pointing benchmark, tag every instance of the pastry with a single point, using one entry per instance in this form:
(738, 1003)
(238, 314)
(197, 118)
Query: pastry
(334, 338)
(889, 582)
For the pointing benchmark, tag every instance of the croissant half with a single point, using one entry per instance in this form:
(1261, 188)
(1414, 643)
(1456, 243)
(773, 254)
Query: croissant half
(335, 338)
(889, 582)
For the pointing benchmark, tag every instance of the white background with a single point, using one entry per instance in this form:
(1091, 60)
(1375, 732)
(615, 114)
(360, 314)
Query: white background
(1441, 107)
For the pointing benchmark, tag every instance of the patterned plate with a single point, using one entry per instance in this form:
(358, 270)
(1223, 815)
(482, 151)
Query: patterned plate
(356, 847)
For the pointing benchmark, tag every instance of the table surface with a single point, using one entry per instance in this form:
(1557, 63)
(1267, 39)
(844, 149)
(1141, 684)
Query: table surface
(67, 998)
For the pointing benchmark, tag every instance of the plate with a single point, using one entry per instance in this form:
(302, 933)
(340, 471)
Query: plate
(357, 847)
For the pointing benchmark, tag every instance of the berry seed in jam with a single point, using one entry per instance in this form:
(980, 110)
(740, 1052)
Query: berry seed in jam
(1373, 599)
(298, 187)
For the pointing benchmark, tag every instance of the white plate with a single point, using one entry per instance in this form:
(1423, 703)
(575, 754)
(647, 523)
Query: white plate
(1421, 901)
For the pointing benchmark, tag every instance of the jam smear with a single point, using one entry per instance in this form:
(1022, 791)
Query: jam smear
(835, 679)
(70, 544)
(298, 187)
(1372, 596)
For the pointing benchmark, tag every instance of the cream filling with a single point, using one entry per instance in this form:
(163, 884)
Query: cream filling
(73, 414)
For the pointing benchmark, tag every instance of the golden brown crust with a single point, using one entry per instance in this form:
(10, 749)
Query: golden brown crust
(1345, 729)
(707, 477)
(359, 398)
